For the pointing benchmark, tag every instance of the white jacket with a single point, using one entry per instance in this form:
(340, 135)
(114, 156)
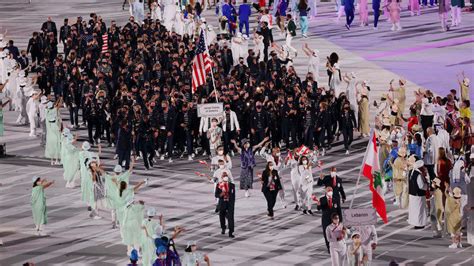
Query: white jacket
(234, 123)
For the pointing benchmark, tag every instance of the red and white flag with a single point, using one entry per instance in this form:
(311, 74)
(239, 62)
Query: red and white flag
(105, 43)
(303, 150)
(202, 64)
(371, 170)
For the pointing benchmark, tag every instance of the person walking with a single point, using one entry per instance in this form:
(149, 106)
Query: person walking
(327, 205)
(38, 203)
(244, 16)
(225, 191)
(336, 235)
(348, 125)
(303, 14)
(349, 10)
(271, 184)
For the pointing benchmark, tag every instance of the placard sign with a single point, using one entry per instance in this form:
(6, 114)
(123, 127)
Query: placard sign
(210, 109)
(359, 217)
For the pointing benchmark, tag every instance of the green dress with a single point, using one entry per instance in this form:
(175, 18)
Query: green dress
(87, 186)
(38, 205)
(121, 203)
(70, 160)
(53, 135)
(148, 243)
(131, 229)
(112, 191)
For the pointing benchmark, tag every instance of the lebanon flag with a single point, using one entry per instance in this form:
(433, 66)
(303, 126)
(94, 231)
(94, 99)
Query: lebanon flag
(371, 170)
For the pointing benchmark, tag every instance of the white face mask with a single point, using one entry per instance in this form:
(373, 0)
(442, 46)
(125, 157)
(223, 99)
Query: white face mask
(214, 124)
(221, 166)
(225, 179)
(278, 154)
(270, 167)
(305, 162)
(220, 152)
(329, 194)
(333, 174)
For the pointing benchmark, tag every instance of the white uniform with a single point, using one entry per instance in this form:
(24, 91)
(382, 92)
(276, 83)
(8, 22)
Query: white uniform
(179, 23)
(313, 65)
(239, 47)
(32, 108)
(138, 10)
(368, 236)
(169, 14)
(21, 105)
(306, 186)
(156, 10)
(295, 180)
(337, 248)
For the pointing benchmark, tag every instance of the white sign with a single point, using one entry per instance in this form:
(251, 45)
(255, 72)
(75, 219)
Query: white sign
(359, 217)
(210, 109)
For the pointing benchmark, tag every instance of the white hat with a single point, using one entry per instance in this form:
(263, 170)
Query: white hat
(22, 74)
(466, 81)
(50, 105)
(457, 192)
(34, 178)
(118, 169)
(44, 99)
(86, 146)
(203, 20)
(191, 243)
(151, 212)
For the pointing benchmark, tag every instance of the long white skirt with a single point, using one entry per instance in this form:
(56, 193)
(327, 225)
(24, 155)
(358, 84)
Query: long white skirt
(417, 211)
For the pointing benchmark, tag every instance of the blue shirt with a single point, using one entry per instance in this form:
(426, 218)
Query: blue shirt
(244, 12)
(282, 8)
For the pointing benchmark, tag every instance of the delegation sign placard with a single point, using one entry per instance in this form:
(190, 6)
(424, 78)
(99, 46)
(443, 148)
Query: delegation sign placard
(359, 217)
(210, 109)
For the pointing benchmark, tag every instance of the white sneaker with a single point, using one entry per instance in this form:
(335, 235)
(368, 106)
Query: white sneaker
(393, 27)
(97, 217)
(247, 194)
(115, 156)
(137, 158)
(323, 152)
(232, 153)
(193, 155)
(190, 158)
(170, 160)
(157, 153)
(347, 152)
(42, 233)
(204, 153)
(453, 245)
(162, 157)
(459, 245)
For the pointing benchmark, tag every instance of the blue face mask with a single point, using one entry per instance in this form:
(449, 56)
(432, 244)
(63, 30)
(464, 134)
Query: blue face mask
(163, 257)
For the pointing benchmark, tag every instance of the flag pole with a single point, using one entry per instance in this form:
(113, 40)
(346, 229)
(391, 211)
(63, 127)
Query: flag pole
(360, 171)
(212, 70)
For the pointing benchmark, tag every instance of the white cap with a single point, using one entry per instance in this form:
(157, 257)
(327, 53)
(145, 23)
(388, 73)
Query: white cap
(191, 243)
(203, 20)
(118, 169)
(50, 105)
(151, 212)
(86, 146)
(34, 178)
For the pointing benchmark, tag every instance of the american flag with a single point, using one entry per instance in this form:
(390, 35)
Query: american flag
(105, 46)
(202, 64)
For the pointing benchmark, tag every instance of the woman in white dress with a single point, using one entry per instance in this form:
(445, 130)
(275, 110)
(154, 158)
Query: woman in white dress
(138, 10)
(351, 91)
(239, 47)
(190, 26)
(179, 23)
(169, 14)
(156, 10)
(336, 79)
(258, 40)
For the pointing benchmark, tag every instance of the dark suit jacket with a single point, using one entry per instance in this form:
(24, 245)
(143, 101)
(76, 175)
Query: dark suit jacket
(266, 178)
(327, 212)
(338, 190)
(231, 201)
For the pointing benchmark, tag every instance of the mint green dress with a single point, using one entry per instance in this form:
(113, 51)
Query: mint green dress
(87, 186)
(38, 205)
(112, 191)
(148, 243)
(130, 228)
(53, 135)
(121, 203)
(70, 159)
(1, 121)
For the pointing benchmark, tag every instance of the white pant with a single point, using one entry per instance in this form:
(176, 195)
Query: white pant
(288, 40)
(367, 249)
(338, 255)
(455, 15)
(295, 182)
(32, 121)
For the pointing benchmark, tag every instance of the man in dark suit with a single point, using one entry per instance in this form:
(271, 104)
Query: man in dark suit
(335, 183)
(23, 61)
(225, 191)
(348, 123)
(328, 205)
(65, 31)
(35, 48)
(50, 26)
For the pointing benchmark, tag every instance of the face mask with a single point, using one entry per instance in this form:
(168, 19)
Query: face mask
(214, 124)
(329, 194)
(278, 154)
(220, 152)
(399, 135)
(225, 179)
(270, 167)
(221, 166)
(333, 174)
(305, 162)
